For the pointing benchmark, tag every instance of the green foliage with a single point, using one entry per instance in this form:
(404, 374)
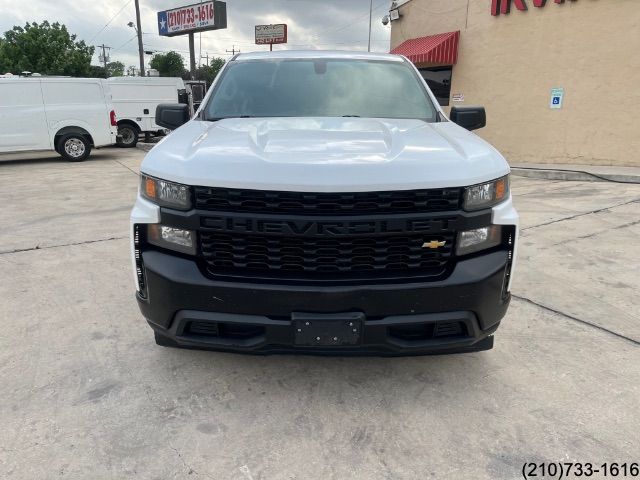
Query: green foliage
(115, 69)
(96, 71)
(4, 65)
(44, 48)
(210, 72)
(170, 64)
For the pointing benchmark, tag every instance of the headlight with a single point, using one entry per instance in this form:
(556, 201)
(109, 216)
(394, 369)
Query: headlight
(471, 241)
(165, 194)
(487, 194)
(177, 239)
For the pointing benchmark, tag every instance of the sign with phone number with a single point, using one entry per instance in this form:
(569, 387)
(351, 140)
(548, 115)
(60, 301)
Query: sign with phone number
(192, 18)
(271, 34)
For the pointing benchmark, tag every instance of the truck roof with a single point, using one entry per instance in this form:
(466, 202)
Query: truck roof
(320, 54)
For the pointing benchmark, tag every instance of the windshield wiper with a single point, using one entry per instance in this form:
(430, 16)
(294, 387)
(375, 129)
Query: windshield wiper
(216, 119)
(358, 116)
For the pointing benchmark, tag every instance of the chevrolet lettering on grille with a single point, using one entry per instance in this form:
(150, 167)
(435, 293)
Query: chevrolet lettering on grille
(327, 228)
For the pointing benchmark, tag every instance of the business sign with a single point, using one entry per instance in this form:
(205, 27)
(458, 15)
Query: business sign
(557, 97)
(198, 17)
(504, 6)
(271, 34)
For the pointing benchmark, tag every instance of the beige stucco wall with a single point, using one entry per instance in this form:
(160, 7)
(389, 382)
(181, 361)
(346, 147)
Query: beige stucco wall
(510, 63)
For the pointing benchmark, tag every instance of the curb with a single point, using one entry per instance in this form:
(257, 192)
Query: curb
(573, 175)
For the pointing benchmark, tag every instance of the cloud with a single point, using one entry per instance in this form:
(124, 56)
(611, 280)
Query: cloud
(312, 24)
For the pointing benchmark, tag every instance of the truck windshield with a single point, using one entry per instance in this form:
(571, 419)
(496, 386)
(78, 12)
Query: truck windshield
(320, 88)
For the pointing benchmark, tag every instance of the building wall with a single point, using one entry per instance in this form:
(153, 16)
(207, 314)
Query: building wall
(510, 63)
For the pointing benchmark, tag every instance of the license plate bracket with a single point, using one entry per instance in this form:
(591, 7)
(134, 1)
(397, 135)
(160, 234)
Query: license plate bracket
(331, 329)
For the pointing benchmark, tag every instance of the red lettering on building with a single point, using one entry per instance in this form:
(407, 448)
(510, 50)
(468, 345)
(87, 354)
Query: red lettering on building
(504, 6)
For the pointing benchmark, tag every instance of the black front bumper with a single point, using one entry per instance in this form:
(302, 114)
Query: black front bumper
(397, 319)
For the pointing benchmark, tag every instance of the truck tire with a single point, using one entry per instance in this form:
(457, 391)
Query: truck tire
(74, 147)
(127, 136)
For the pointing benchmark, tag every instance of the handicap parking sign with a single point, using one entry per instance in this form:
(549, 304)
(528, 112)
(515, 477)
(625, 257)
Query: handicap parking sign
(557, 96)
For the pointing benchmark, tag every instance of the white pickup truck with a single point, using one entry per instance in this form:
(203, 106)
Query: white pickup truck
(322, 202)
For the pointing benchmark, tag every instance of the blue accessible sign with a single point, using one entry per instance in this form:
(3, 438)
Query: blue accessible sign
(557, 97)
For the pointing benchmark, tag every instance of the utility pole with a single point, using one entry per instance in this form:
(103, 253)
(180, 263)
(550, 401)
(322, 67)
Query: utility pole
(205, 56)
(370, 19)
(139, 32)
(233, 50)
(192, 56)
(105, 58)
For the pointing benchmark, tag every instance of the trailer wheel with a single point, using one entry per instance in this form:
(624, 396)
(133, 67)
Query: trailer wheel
(74, 147)
(127, 135)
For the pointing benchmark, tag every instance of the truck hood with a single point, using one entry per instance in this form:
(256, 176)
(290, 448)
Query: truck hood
(324, 155)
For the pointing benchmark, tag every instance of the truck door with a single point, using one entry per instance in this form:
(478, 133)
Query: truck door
(23, 124)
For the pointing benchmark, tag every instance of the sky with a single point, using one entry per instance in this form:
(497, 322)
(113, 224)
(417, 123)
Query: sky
(312, 24)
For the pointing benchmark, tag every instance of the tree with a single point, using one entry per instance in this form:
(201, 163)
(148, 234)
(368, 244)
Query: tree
(44, 48)
(210, 72)
(115, 69)
(170, 64)
(4, 65)
(96, 71)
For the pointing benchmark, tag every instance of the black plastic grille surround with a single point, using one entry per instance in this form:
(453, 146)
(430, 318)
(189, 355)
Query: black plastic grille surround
(243, 250)
(305, 203)
(356, 256)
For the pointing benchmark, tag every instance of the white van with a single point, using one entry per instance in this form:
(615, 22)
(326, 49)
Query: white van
(68, 115)
(136, 98)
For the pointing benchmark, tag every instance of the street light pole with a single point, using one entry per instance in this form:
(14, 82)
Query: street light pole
(139, 32)
(370, 19)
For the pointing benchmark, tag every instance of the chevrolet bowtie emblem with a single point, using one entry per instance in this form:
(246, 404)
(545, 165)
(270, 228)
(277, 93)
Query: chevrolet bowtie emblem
(433, 244)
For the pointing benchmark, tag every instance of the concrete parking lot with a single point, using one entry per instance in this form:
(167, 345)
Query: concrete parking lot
(86, 393)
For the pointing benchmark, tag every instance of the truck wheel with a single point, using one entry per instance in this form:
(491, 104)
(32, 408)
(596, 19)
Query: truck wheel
(128, 136)
(74, 147)
(164, 341)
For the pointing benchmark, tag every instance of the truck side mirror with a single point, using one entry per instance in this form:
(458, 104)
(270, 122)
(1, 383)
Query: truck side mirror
(470, 118)
(172, 116)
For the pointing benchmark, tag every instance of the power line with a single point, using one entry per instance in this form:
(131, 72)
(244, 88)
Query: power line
(352, 22)
(125, 43)
(110, 20)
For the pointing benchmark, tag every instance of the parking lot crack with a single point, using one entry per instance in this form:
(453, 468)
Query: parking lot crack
(579, 320)
(190, 470)
(600, 232)
(635, 200)
(123, 165)
(38, 247)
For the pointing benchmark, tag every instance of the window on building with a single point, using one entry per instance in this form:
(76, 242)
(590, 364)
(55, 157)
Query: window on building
(439, 81)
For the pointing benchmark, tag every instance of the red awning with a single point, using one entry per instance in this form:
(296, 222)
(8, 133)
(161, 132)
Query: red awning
(440, 49)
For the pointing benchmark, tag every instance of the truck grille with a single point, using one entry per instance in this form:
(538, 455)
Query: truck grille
(303, 203)
(280, 235)
(325, 257)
